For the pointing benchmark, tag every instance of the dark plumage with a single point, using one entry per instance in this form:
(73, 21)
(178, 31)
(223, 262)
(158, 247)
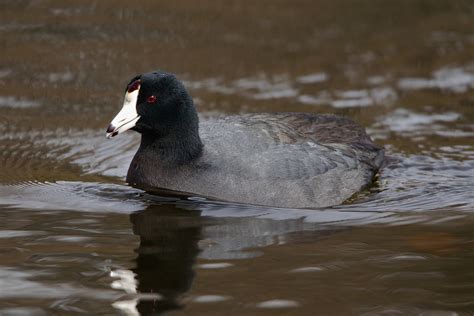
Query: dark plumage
(277, 159)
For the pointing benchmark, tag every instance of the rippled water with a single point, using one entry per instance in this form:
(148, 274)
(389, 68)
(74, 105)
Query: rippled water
(75, 238)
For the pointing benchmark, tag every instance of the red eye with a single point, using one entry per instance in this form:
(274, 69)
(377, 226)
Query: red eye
(151, 99)
(133, 86)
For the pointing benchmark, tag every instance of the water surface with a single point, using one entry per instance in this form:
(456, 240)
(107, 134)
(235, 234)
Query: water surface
(74, 238)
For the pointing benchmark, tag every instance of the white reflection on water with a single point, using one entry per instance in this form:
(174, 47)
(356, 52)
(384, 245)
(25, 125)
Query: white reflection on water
(313, 78)
(210, 298)
(60, 76)
(19, 233)
(322, 98)
(456, 80)
(15, 283)
(125, 280)
(352, 103)
(383, 91)
(377, 80)
(259, 87)
(352, 98)
(5, 73)
(278, 303)
(307, 269)
(403, 120)
(262, 87)
(216, 265)
(127, 307)
(15, 102)
(458, 151)
(408, 123)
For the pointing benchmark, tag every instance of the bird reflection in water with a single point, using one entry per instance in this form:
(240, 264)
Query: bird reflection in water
(166, 255)
(170, 236)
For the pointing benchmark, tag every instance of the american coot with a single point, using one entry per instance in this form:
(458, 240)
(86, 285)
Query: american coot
(295, 160)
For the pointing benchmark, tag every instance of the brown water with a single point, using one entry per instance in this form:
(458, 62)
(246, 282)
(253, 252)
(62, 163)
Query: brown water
(74, 238)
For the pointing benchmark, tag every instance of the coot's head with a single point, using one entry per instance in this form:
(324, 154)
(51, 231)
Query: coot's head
(156, 103)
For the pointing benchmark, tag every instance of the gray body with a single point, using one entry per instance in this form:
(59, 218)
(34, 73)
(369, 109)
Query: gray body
(293, 160)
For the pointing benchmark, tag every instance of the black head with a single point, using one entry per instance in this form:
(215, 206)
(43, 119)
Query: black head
(155, 103)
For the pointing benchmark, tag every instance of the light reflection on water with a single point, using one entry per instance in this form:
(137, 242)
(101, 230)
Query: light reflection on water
(76, 239)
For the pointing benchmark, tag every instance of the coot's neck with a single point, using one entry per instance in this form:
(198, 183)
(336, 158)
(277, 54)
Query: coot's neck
(179, 147)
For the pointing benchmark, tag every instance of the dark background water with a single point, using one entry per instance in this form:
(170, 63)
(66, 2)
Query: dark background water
(75, 239)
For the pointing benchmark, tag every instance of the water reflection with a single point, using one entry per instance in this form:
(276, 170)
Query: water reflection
(456, 80)
(174, 236)
(166, 255)
(180, 241)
